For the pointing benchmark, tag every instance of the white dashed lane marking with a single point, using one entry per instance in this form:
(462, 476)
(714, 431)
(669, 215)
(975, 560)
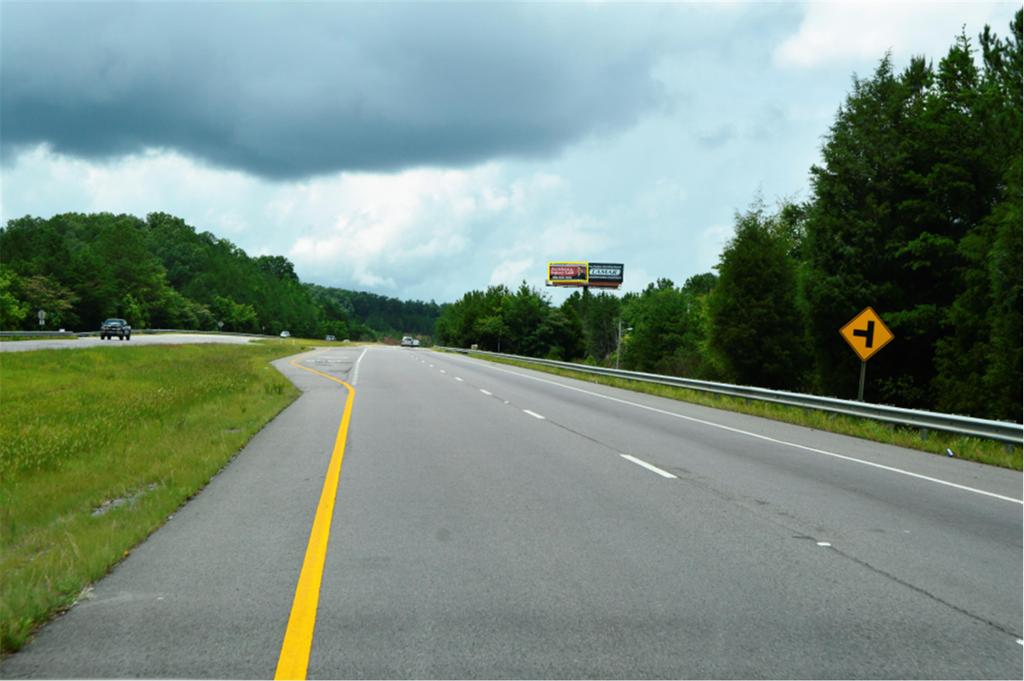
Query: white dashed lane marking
(653, 469)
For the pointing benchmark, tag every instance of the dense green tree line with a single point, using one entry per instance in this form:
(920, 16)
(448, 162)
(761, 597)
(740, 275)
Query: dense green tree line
(161, 273)
(914, 210)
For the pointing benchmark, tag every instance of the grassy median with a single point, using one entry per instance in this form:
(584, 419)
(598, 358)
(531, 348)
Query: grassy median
(98, 446)
(970, 448)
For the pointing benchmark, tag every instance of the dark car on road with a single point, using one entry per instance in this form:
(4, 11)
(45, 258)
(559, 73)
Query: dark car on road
(116, 327)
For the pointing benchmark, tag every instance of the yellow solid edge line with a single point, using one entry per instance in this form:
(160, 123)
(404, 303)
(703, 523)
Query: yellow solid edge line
(298, 637)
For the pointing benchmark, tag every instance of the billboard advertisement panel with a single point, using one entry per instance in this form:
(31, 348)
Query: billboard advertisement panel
(567, 273)
(605, 274)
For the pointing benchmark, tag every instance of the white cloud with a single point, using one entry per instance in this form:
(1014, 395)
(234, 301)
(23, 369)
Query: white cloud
(710, 244)
(383, 227)
(512, 272)
(839, 31)
(139, 184)
(574, 237)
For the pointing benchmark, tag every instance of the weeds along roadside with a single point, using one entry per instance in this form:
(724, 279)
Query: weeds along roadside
(98, 446)
(972, 449)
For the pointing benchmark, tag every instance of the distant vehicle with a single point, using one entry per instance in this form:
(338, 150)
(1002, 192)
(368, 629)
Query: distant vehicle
(415, 342)
(407, 341)
(329, 337)
(115, 327)
(285, 334)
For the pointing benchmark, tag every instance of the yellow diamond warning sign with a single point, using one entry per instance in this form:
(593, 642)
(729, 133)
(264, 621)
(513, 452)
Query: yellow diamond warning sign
(866, 333)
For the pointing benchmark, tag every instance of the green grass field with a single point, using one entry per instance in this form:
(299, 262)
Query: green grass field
(970, 448)
(98, 446)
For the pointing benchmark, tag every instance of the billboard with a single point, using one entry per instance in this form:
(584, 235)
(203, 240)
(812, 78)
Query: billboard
(567, 273)
(605, 274)
(578, 273)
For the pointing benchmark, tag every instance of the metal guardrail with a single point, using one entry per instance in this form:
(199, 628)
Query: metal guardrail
(1003, 431)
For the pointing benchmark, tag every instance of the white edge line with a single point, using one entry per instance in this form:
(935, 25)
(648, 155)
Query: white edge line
(443, 371)
(534, 414)
(655, 469)
(891, 469)
(355, 368)
(486, 392)
(458, 379)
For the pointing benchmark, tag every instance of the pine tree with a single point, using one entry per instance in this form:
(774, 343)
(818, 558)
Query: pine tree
(756, 325)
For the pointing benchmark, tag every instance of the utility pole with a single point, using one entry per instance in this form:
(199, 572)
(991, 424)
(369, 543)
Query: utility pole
(618, 342)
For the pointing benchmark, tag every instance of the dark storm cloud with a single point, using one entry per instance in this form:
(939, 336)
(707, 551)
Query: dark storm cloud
(295, 90)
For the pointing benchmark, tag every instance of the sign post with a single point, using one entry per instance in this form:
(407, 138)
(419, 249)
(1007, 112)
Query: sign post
(42, 317)
(866, 334)
(860, 386)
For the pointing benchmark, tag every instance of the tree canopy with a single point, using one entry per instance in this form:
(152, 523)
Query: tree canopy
(161, 273)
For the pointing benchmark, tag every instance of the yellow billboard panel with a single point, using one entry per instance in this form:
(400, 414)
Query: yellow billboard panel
(567, 273)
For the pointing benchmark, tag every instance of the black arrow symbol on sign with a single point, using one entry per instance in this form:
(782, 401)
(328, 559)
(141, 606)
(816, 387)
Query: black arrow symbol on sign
(868, 334)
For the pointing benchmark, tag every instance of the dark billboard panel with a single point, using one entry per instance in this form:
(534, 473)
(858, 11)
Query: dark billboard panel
(605, 274)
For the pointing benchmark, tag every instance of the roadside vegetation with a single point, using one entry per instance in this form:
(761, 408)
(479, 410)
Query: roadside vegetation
(936, 442)
(8, 339)
(162, 273)
(98, 446)
(914, 209)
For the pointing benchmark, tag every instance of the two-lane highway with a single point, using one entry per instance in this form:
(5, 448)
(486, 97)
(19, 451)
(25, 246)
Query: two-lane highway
(492, 522)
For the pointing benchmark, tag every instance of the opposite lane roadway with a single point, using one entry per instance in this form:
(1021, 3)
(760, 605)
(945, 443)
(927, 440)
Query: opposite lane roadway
(498, 522)
(137, 339)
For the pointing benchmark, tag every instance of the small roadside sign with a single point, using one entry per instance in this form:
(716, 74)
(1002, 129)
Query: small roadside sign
(866, 333)
(42, 317)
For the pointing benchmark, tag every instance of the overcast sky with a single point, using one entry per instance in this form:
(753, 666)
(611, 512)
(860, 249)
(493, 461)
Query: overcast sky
(423, 150)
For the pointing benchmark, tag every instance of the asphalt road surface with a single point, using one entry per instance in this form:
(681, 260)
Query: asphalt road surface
(137, 339)
(494, 522)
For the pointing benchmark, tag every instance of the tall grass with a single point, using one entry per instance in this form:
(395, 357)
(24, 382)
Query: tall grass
(99, 445)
